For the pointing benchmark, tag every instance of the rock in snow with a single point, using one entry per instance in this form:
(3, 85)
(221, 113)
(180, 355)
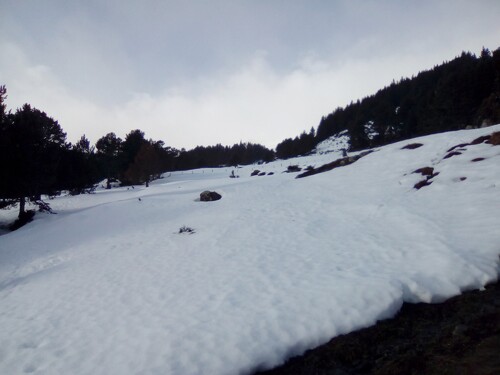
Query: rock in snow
(208, 196)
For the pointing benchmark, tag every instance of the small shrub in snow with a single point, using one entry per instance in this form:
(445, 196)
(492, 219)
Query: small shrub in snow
(293, 168)
(185, 229)
(43, 206)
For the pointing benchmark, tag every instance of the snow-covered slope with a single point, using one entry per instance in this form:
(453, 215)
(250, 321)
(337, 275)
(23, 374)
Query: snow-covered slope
(277, 266)
(335, 143)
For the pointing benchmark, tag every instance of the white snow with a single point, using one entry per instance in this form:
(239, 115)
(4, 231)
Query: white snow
(277, 266)
(336, 143)
(370, 130)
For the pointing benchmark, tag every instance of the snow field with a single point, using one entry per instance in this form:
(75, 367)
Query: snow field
(277, 266)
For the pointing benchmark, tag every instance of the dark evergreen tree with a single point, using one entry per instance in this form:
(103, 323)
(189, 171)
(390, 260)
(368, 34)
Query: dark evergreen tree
(79, 168)
(108, 151)
(83, 146)
(146, 165)
(35, 144)
(5, 150)
(218, 155)
(3, 106)
(130, 147)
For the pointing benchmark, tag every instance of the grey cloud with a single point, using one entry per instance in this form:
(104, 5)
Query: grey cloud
(196, 63)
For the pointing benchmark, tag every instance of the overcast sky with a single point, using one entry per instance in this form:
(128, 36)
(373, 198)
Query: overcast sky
(205, 72)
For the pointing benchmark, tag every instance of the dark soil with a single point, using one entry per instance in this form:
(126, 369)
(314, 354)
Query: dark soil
(458, 336)
(412, 146)
(480, 140)
(426, 171)
(494, 139)
(421, 184)
(334, 164)
(453, 153)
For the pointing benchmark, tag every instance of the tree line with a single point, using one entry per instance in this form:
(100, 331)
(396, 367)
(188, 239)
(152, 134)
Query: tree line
(454, 95)
(37, 160)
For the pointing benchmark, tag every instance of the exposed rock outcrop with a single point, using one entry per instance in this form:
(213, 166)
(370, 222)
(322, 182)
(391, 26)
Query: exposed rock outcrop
(334, 164)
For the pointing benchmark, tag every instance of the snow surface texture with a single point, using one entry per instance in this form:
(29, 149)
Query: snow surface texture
(335, 143)
(277, 266)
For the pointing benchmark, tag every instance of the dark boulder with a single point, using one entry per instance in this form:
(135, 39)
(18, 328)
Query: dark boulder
(209, 196)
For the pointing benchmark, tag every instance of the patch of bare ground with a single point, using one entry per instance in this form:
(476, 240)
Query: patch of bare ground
(451, 154)
(458, 336)
(334, 164)
(494, 139)
(428, 173)
(412, 146)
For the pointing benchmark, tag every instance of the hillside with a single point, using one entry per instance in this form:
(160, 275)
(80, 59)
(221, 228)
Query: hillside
(279, 265)
(458, 94)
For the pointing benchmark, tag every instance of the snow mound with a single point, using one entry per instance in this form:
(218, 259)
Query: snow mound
(280, 265)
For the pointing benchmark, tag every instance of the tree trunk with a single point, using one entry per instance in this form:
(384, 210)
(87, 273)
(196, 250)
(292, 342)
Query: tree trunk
(22, 207)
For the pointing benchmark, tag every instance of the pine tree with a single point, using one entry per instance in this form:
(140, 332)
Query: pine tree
(146, 165)
(108, 151)
(35, 147)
